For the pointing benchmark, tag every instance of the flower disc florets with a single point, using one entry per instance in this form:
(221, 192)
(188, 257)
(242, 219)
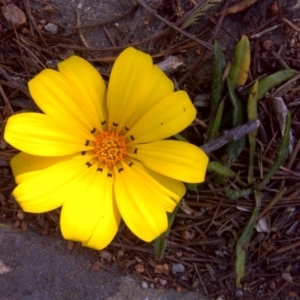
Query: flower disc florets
(110, 147)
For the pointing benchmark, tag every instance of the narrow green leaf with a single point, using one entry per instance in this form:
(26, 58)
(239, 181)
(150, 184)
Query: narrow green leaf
(215, 123)
(282, 155)
(244, 239)
(159, 244)
(179, 137)
(235, 148)
(273, 80)
(241, 63)
(252, 115)
(234, 194)
(217, 83)
(221, 170)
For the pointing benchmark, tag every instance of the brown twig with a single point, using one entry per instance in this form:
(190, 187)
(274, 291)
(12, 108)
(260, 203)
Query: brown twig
(205, 44)
(231, 135)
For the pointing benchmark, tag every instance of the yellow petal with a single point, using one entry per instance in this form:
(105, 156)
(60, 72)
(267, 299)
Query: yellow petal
(156, 88)
(42, 135)
(127, 86)
(57, 96)
(24, 165)
(168, 117)
(91, 215)
(90, 84)
(140, 204)
(169, 191)
(48, 189)
(175, 159)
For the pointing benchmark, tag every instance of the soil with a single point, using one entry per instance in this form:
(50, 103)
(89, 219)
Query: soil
(204, 240)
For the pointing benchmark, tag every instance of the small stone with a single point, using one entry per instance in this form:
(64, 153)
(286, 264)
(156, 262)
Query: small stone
(105, 254)
(272, 285)
(286, 29)
(70, 245)
(24, 226)
(25, 30)
(274, 8)
(287, 276)
(95, 267)
(13, 14)
(17, 224)
(3, 144)
(292, 294)
(48, 9)
(20, 215)
(163, 281)
(267, 44)
(144, 285)
(159, 268)
(120, 253)
(139, 268)
(179, 289)
(239, 293)
(52, 28)
(178, 268)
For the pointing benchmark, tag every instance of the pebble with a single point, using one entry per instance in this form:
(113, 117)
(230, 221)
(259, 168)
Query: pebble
(239, 293)
(52, 28)
(177, 268)
(144, 285)
(13, 14)
(105, 254)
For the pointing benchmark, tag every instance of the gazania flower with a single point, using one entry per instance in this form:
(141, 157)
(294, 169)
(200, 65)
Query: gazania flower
(99, 153)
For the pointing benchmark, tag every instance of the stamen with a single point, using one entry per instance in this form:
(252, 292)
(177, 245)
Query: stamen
(110, 147)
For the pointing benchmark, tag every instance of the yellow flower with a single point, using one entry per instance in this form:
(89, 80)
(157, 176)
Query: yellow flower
(100, 153)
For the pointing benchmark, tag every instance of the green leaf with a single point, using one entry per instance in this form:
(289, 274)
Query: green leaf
(221, 170)
(282, 155)
(273, 80)
(217, 83)
(252, 115)
(241, 63)
(159, 244)
(235, 148)
(244, 239)
(236, 194)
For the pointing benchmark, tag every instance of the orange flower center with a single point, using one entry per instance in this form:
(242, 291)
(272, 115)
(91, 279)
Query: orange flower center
(110, 147)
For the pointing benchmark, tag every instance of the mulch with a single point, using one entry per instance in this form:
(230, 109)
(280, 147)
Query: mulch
(201, 244)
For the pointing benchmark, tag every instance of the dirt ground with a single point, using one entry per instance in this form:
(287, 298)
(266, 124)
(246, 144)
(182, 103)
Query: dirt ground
(202, 238)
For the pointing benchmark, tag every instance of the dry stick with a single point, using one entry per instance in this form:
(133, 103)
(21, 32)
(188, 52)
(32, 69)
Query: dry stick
(28, 11)
(97, 24)
(288, 247)
(272, 203)
(133, 26)
(199, 276)
(200, 58)
(2, 93)
(291, 24)
(192, 37)
(231, 135)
